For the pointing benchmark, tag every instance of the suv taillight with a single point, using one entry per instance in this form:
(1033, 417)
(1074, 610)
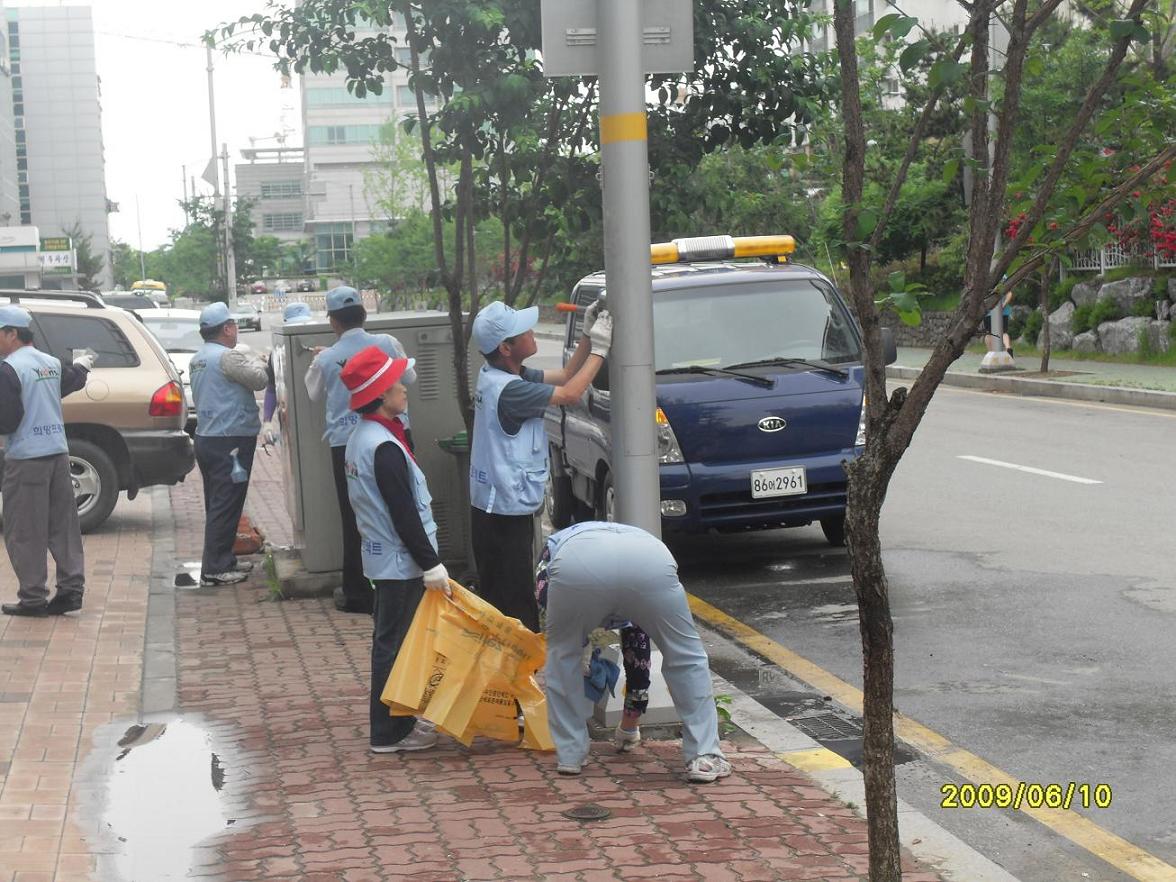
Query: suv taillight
(168, 400)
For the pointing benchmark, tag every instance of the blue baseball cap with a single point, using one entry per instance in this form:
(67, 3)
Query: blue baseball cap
(14, 317)
(497, 322)
(297, 313)
(214, 314)
(342, 297)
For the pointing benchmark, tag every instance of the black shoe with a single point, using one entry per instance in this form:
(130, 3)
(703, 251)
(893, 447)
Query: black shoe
(65, 603)
(20, 609)
(349, 606)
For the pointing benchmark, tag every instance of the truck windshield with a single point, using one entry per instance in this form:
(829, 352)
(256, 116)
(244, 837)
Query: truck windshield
(720, 325)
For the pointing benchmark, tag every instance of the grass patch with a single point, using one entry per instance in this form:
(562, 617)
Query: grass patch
(271, 577)
(1156, 359)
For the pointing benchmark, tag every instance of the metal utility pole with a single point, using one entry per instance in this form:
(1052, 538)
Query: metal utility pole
(214, 180)
(230, 258)
(625, 164)
(139, 222)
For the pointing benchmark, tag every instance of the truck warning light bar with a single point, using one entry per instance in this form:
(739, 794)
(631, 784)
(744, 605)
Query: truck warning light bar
(720, 248)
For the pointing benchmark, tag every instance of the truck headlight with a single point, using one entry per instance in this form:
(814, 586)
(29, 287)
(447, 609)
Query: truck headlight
(667, 445)
(860, 441)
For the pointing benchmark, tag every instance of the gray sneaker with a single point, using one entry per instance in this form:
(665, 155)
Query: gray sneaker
(417, 739)
(211, 580)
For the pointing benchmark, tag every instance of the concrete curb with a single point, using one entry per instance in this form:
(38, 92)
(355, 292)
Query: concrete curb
(158, 690)
(1045, 388)
(940, 850)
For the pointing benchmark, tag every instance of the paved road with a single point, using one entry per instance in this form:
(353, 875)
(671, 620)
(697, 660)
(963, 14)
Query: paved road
(1033, 612)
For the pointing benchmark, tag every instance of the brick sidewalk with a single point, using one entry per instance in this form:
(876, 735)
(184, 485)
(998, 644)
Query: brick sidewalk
(61, 679)
(285, 686)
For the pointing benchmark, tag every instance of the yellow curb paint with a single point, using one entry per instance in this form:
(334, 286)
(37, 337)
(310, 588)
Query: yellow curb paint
(622, 127)
(819, 759)
(1116, 851)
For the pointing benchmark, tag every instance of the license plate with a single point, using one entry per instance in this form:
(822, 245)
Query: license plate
(778, 482)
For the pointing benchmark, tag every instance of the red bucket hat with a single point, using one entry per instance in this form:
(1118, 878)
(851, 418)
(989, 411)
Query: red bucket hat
(370, 373)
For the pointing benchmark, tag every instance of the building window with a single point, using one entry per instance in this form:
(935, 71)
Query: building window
(332, 244)
(26, 217)
(281, 189)
(405, 97)
(332, 135)
(861, 7)
(282, 222)
(333, 96)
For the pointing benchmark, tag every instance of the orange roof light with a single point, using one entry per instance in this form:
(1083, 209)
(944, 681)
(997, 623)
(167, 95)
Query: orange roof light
(720, 248)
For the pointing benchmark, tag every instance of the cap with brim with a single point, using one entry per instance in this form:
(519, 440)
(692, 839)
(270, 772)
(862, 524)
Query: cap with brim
(370, 373)
(15, 317)
(296, 312)
(498, 322)
(214, 314)
(342, 297)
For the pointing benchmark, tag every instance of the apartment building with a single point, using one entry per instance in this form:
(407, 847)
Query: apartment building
(56, 124)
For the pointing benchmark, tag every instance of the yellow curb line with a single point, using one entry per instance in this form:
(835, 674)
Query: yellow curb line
(819, 759)
(1115, 850)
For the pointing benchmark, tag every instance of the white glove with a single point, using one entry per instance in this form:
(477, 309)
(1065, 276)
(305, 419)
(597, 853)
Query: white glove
(86, 359)
(601, 334)
(590, 316)
(437, 579)
(270, 435)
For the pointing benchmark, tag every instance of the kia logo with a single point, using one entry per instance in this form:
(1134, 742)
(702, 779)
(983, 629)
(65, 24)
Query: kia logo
(772, 424)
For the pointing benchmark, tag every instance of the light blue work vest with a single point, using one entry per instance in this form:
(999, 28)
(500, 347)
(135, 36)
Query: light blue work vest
(385, 556)
(341, 419)
(42, 431)
(508, 473)
(223, 408)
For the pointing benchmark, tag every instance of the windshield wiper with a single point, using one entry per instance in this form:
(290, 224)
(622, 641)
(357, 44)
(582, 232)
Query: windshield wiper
(803, 362)
(701, 369)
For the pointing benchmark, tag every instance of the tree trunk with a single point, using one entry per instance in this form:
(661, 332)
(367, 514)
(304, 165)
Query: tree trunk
(877, 630)
(1046, 273)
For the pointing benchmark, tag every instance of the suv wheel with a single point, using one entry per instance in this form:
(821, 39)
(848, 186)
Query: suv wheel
(834, 529)
(95, 483)
(559, 503)
(606, 506)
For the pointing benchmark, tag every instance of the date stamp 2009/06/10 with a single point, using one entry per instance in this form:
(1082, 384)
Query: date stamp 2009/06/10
(1025, 795)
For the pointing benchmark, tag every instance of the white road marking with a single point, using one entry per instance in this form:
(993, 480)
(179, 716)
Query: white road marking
(1030, 470)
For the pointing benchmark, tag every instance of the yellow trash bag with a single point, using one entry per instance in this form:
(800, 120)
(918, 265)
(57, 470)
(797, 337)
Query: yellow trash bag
(462, 666)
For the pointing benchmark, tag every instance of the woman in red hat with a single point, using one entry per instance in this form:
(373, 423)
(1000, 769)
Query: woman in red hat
(399, 535)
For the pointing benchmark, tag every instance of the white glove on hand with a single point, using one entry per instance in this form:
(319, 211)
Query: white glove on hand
(437, 579)
(590, 316)
(86, 359)
(601, 334)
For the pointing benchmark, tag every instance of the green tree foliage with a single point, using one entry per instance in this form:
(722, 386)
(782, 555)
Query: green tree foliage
(89, 264)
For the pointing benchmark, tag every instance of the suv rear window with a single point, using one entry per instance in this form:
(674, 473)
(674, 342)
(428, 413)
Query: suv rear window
(64, 333)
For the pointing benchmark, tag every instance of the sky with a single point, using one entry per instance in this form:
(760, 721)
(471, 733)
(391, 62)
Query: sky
(155, 116)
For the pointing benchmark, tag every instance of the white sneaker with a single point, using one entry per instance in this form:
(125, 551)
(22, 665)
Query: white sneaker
(707, 768)
(417, 739)
(626, 740)
(243, 566)
(209, 580)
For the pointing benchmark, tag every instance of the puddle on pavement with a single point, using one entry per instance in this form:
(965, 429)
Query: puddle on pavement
(163, 797)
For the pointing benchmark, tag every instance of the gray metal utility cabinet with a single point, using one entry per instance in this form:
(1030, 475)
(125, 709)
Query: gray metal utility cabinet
(433, 411)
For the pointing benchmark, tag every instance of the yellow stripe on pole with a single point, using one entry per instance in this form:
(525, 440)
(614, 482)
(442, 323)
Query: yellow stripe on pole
(622, 127)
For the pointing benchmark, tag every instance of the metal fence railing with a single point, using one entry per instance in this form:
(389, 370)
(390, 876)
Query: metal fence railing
(1099, 260)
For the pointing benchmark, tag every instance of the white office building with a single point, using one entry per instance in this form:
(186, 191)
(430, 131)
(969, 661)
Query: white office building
(57, 124)
(9, 193)
(341, 136)
(273, 180)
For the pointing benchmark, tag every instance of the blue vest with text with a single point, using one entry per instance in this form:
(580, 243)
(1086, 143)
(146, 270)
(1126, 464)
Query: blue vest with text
(341, 419)
(508, 473)
(385, 556)
(223, 408)
(42, 431)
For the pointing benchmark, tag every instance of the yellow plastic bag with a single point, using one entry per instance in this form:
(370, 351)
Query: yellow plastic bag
(463, 665)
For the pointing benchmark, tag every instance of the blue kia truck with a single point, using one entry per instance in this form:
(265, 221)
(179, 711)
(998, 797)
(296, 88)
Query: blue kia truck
(759, 394)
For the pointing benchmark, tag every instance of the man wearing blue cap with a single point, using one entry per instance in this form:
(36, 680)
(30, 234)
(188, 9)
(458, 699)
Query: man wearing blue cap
(224, 383)
(346, 314)
(38, 491)
(508, 460)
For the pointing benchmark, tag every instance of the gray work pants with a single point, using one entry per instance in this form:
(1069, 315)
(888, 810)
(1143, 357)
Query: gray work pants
(597, 578)
(41, 515)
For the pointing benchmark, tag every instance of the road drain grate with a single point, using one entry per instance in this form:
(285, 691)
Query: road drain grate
(825, 727)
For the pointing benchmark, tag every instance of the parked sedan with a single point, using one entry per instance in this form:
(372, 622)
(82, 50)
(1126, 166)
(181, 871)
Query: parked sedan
(248, 316)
